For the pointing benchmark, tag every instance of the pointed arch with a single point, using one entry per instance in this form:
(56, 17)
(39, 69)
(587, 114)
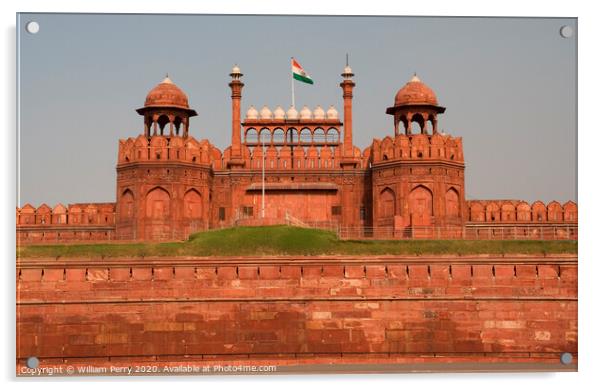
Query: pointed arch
(539, 211)
(477, 212)
(421, 205)
(387, 149)
(492, 212)
(193, 204)
(570, 211)
(508, 212)
(452, 203)
(523, 212)
(386, 202)
(555, 212)
(157, 203)
(126, 205)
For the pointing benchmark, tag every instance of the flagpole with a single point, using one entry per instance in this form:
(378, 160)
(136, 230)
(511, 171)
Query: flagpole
(292, 85)
(262, 178)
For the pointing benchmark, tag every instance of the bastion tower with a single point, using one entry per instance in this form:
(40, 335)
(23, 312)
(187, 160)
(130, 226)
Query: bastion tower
(417, 175)
(163, 175)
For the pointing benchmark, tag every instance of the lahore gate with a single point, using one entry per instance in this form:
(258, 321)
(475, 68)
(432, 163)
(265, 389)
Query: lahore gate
(293, 165)
(508, 311)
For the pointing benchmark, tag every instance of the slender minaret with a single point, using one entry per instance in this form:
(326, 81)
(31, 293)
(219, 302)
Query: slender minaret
(347, 86)
(236, 86)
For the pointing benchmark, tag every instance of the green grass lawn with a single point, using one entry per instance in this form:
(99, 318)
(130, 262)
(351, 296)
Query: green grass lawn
(287, 240)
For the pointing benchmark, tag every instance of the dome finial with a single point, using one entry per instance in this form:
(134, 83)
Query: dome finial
(347, 72)
(235, 73)
(166, 80)
(415, 78)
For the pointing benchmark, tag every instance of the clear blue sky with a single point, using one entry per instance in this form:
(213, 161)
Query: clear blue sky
(509, 86)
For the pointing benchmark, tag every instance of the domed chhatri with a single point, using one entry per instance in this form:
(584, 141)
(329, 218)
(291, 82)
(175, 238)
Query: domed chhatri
(305, 113)
(332, 113)
(319, 113)
(279, 113)
(252, 113)
(415, 92)
(292, 113)
(166, 94)
(415, 102)
(265, 113)
(166, 111)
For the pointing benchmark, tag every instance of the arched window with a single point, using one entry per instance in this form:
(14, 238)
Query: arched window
(251, 136)
(265, 136)
(292, 136)
(278, 136)
(319, 135)
(163, 121)
(416, 124)
(305, 135)
(332, 135)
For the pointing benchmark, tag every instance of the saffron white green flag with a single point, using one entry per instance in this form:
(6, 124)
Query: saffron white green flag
(299, 73)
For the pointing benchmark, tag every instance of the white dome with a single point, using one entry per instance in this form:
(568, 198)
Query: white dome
(252, 113)
(278, 113)
(292, 113)
(265, 113)
(305, 113)
(319, 113)
(347, 70)
(235, 69)
(332, 113)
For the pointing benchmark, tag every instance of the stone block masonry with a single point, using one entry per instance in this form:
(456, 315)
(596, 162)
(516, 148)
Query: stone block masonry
(298, 311)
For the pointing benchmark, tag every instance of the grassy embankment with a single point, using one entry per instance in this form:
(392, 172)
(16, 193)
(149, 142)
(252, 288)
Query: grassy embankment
(287, 240)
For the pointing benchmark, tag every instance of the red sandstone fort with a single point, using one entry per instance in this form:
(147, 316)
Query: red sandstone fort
(299, 165)
(295, 311)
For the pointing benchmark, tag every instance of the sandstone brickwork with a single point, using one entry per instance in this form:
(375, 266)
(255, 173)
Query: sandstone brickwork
(298, 310)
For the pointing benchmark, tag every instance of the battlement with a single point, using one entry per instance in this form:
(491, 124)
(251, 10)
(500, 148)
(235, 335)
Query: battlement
(512, 211)
(163, 148)
(80, 214)
(296, 157)
(417, 147)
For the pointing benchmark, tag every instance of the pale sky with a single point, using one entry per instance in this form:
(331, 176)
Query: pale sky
(509, 86)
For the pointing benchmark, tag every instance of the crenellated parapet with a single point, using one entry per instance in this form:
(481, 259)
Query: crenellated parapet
(163, 149)
(417, 147)
(517, 211)
(79, 214)
(313, 157)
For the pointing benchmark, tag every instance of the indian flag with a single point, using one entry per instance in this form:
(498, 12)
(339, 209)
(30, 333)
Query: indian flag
(299, 73)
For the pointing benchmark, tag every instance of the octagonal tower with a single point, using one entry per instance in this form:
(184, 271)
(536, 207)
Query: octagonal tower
(164, 175)
(418, 175)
